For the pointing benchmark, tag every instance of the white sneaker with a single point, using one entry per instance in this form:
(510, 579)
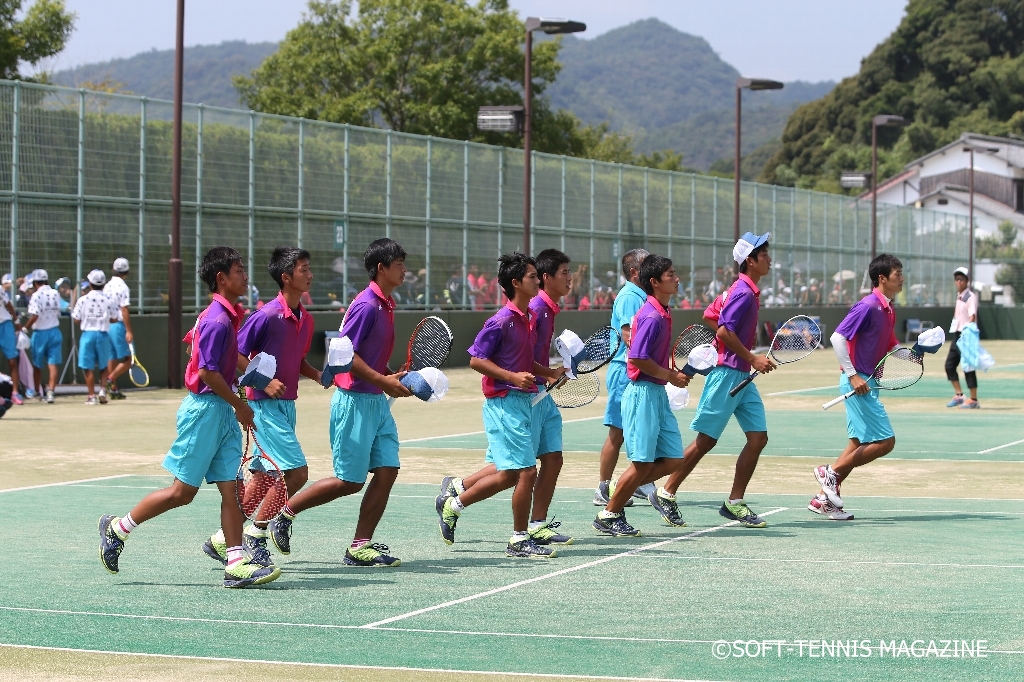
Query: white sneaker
(91, 400)
(819, 504)
(49, 397)
(829, 484)
(102, 396)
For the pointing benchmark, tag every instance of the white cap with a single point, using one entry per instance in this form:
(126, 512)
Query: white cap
(678, 398)
(437, 381)
(7, 279)
(97, 278)
(120, 265)
(962, 271)
(40, 276)
(747, 243)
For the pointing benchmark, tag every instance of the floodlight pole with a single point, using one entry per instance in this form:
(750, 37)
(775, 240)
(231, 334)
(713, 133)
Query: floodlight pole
(970, 205)
(880, 120)
(174, 274)
(750, 84)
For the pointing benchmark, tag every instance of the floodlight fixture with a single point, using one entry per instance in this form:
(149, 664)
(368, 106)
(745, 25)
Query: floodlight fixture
(854, 179)
(743, 83)
(876, 122)
(554, 25)
(501, 119)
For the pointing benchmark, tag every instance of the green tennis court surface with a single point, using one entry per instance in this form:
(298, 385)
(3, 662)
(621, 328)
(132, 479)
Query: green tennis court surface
(946, 434)
(906, 569)
(1001, 386)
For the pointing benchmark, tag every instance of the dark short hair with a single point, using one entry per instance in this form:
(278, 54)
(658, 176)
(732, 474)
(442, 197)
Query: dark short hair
(631, 260)
(283, 260)
(218, 259)
(513, 266)
(548, 262)
(753, 254)
(653, 267)
(882, 266)
(384, 252)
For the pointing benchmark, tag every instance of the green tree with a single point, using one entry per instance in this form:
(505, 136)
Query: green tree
(42, 32)
(1003, 249)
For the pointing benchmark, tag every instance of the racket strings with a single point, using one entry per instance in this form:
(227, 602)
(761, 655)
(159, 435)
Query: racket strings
(577, 392)
(431, 344)
(691, 337)
(599, 347)
(795, 340)
(901, 369)
(260, 486)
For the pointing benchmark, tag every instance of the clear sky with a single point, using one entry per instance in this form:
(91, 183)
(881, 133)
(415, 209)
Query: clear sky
(787, 40)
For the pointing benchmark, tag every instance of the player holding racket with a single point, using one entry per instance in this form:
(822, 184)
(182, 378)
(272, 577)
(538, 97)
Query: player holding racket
(860, 341)
(282, 328)
(653, 442)
(736, 335)
(364, 437)
(209, 443)
(503, 352)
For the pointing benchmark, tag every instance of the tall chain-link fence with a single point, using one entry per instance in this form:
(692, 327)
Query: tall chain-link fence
(86, 177)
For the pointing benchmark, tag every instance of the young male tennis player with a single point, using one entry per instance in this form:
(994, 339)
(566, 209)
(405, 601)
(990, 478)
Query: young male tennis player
(503, 353)
(651, 433)
(282, 328)
(861, 340)
(628, 301)
(209, 443)
(120, 331)
(737, 334)
(93, 312)
(364, 437)
(546, 420)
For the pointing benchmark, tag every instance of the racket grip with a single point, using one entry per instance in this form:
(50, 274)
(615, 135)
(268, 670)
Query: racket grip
(836, 401)
(539, 397)
(743, 384)
(391, 401)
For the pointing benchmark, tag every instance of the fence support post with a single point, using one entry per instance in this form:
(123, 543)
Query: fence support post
(693, 236)
(590, 270)
(14, 179)
(465, 224)
(302, 180)
(199, 205)
(348, 225)
(562, 244)
(387, 196)
(140, 298)
(671, 176)
(252, 203)
(80, 222)
(426, 285)
(501, 197)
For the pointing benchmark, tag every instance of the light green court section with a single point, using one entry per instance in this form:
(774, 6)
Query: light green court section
(996, 386)
(652, 607)
(942, 434)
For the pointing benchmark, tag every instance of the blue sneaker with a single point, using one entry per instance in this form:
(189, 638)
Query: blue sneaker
(617, 526)
(371, 555)
(970, 405)
(529, 549)
(280, 531)
(257, 549)
(957, 400)
(667, 507)
(446, 518)
(741, 512)
(111, 543)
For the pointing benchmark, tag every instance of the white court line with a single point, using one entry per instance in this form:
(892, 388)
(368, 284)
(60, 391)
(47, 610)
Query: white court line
(477, 433)
(350, 666)
(564, 571)
(53, 485)
(915, 564)
(999, 447)
(803, 390)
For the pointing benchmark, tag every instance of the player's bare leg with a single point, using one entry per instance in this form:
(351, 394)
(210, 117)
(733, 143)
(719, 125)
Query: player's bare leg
(610, 453)
(544, 490)
(858, 454)
(695, 451)
(375, 500)
(746, 463)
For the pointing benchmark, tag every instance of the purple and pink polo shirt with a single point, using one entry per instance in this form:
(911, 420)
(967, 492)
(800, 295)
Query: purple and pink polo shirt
(214, 342)
(544, 311)
(508, 339)
(870, 330)
(650, 339)
(274, 329)
(739, 315)
(370, 326)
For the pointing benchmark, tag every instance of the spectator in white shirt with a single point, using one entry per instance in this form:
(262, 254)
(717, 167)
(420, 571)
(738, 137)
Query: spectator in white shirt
(94, 312)
(965, 312)
(47, 340)
(9, 328)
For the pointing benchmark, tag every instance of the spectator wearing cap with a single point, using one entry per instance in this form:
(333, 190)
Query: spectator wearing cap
(63, 287)
(44, 320)
(8, 336)
(964, 313)
(94, 312)
(121, 329)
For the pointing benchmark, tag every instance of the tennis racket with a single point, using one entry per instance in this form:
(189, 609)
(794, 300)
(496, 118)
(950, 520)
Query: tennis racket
(260, 488)
(793, 341)
(577, 392)
(429, 346)
(137, 373)
(691, 337)
(898, 369)
(600, 347)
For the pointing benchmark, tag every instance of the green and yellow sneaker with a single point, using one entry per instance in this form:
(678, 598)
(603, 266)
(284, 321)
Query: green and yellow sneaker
(371, 555)
(246, 573)
(447, 518)
(741, 512)
(546, 535)
(216, 548)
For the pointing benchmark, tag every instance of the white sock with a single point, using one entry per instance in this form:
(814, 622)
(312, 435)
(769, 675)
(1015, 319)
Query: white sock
(219, 536)
(126, 524)
(737, 501)
(457, 505)
(235, 554)
(537, 524)
(459, 487)
(519, 536)
(666, 494)
(605, 514)
(255, 531)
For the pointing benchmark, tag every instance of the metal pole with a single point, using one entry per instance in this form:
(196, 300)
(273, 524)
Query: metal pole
(714, 232)
(647, 173)
(528, 247)
(426, 285)
(590, 271)
(562, 243)
(252, 205)
(970, 220)
(693, 236)
(501, 197)
(465, 224)
(302, 179)
(619, 212)
(387, 195)
(527, 141)
(736, 171)
(874, 190)
(174, 377)
(140, 299)
(344, 247)
(670, 178)
(14, 181)
(199, 203)
(80, 214)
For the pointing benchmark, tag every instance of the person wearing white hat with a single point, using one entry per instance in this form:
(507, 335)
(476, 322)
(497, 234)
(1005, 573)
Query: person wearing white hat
(965, 313)
(9, 329)
(94, 312)
(121, 330)
(47, 340)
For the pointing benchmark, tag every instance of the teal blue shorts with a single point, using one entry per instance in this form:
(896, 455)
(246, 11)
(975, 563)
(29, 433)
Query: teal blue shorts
(275, 430)
(616, 382)
(363, 433)
(118, 343)
(546, 427)
(8, 341)
(716, 406)
(93, 350)
(866, 419)
(650, 430)
(507, 422)
(46, 347)
(209, 442)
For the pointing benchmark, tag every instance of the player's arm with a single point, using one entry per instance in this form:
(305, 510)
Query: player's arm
(841, 347)
(624, 334)
(220, 388)
(309, 371)
(652, 368)
(126, 318)
(389, 383)
(523, 380)
(14, 315)
(733, 343)
(553, 373)
(31, 321)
